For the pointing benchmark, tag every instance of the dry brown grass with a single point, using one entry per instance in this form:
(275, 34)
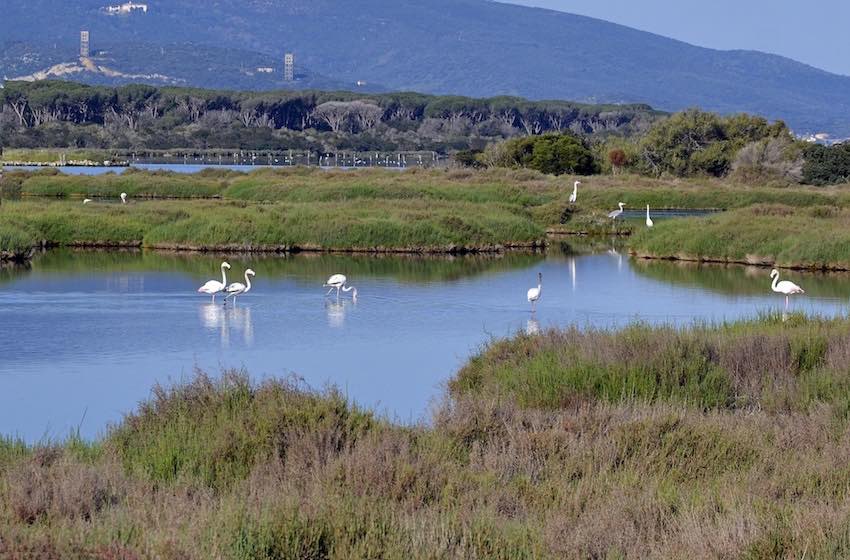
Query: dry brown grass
(489, 478)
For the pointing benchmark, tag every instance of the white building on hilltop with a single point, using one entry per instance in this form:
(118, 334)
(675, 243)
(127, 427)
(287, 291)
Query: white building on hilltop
(126, 8)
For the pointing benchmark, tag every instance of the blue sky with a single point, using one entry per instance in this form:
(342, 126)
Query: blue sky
(815, 32)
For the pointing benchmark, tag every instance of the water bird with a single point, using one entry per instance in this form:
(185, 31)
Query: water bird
(238, 288)
(534, 293)
(123, 198)
(649, 222)
(214, 287)
(86, 200)
(574, 196)
(338, 282)
(785, 287)
(616, 213)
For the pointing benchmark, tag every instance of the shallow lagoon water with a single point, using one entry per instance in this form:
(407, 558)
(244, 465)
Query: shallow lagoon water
(85, 335)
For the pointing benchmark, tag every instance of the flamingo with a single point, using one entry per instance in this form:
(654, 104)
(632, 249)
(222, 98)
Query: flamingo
(649, 222)
(534, 293)
(86, 200)
(238, 288)
(213, 287)
(349, 289)
(123, 198)
(574, 196)
(785, 287)
(337, 281)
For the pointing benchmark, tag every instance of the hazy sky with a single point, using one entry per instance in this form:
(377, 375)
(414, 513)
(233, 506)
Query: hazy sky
(814, 31)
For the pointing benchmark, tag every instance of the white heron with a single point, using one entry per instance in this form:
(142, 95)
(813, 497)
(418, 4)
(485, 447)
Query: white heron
(649, 222)
(123, 198)
(534, 293)
(616, 213)
(214, 287)
(574, 196)
(238, 288)
(785, 287)
(338, 282)
(86, 200)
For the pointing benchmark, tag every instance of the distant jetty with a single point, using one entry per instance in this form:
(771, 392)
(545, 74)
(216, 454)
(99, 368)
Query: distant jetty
(68, 163)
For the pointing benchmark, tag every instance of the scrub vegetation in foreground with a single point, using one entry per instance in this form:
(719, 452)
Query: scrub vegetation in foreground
(647, 442)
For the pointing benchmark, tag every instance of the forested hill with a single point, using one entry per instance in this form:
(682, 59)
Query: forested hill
(470, 47)
(62, 114)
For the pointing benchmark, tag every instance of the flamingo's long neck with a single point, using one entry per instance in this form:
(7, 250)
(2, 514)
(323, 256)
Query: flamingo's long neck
(223, 275)
(247, 282)
(773, 286)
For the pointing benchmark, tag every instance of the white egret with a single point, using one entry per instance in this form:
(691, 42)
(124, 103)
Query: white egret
(649, 222)
(337, 281)
(574, 196)
(238, 288)
(86, 200)
(123, 198)
(534, 293)
(785, 287)
(214, 287)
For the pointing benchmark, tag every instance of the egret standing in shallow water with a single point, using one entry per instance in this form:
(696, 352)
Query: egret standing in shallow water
(123, 198)
(214, 287)
(534, 293)
(785, 287)
(574, 196)
(238, 288)
(649, 222)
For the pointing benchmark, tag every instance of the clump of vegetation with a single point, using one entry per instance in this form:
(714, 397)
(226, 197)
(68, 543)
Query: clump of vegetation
(765, 234)
(648, 442)
(827, 165)
(553, 154)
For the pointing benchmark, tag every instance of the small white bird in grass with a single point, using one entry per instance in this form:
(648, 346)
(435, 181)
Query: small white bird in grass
(574, 196)
(238, 288)
(123, 198)
(649, 222)
(86, 200)
(534, 293)
(785, 287)
(214, 287)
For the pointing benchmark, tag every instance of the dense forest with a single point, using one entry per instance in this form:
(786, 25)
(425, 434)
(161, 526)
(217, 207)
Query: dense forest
(64, 114)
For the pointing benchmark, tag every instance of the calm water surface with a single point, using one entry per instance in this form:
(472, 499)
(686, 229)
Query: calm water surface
(85, 335)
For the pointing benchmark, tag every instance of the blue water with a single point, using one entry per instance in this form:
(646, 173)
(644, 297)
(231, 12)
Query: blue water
(84, 336)
(175, 167)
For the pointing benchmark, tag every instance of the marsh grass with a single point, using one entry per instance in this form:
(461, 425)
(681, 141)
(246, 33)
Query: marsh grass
(540, 466)
(817, 237)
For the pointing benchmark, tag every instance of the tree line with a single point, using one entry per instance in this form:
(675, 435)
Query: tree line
(59, 114)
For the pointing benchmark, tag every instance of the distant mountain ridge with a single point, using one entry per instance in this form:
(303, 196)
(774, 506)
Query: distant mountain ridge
(469, 47)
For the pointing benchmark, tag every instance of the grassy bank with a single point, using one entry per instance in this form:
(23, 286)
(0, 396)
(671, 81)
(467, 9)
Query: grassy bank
(366, 226)
(54, 156)
(642, 443)
(444, 210)
(816, 237)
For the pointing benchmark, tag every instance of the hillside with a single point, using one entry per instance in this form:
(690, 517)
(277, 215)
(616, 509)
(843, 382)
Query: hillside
(470, 47)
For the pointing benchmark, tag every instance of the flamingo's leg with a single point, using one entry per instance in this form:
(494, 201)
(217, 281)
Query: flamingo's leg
(329, 291)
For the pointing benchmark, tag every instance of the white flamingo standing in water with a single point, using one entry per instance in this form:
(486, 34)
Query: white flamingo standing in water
(214, 287)
(123, 198)
(785, 287)
(339, 282)
(574, 196)
(649, 222)
(534, 293)
(238, 288)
